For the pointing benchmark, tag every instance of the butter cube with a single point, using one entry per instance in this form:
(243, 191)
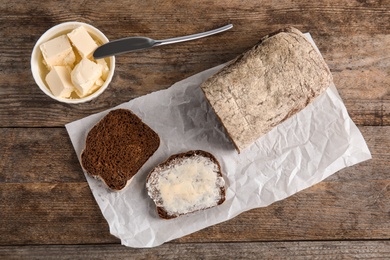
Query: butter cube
(58, 52)
(85, 75)
(83, 42)
(59, 81)
(106, 70)
(99, 82)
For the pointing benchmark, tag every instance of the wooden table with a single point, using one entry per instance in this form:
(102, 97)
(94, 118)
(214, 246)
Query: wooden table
(46, 206)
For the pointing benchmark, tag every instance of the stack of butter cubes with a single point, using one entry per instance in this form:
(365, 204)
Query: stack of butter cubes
(71, 66)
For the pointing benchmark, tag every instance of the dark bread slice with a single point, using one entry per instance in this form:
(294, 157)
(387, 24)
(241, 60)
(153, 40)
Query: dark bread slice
(117, 147)
(266, 85)
(182, 182)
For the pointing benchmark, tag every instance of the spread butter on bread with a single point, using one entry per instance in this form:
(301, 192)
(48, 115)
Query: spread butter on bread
(266, 85)
(117, 147)
(185, 183)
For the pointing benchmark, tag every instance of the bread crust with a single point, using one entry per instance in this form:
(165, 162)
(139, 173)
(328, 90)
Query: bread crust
(266, 85)
(117, 147)
(161, 211)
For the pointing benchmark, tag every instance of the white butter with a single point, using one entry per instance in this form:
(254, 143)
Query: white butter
(58, 52)
(83, 42)
(99, 82)
(59, 82)
(105, 70)
(85, 75)
(190, 185)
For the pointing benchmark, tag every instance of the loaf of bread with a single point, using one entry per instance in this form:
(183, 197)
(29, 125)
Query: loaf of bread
(117, 147)
(185, 183)
(266, 85)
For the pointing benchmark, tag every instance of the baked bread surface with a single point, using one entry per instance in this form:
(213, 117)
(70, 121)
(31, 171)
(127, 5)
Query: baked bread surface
(117, 147)
(266, 85)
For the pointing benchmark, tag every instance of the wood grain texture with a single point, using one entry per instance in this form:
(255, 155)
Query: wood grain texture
(353, 36)
(254, 250)
(38, 155)
(351, 204)
(46, 207)
(47, 213)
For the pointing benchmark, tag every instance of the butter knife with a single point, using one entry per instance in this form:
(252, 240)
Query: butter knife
(140, 43)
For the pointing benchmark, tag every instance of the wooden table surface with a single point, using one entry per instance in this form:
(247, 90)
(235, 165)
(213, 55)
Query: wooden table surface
(46, 207)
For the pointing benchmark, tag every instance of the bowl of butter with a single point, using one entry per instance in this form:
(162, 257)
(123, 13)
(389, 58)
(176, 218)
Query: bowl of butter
(63, 66)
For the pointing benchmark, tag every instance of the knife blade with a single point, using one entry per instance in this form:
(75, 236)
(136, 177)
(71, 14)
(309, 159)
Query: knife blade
(122, 46)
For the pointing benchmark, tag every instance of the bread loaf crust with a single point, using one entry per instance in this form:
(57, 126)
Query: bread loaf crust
(161, 211)
(266, 85)
(117, 147)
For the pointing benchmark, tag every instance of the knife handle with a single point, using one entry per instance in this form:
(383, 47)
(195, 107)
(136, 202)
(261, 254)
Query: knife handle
(193, 36)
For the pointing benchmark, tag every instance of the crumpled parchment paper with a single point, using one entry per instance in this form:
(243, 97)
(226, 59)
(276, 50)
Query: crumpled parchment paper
(300, 152)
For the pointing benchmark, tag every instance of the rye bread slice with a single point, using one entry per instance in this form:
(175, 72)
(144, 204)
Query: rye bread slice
(117, 147)
(186, 183)
(266, 85)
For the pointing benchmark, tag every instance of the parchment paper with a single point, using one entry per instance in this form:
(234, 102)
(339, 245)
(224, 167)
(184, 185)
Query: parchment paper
(302, 151)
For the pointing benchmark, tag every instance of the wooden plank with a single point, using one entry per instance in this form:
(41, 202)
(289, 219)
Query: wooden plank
(44, 198)
(46, 213)
(66, 213)
(255, 250)
(38, 155)
(354, 39)
(360, 69)
(352, 204)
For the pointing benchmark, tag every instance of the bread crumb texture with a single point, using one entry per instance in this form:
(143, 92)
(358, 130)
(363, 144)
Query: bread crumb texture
(117, 147)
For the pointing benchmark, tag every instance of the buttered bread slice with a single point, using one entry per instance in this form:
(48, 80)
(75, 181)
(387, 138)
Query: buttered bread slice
(185, 183)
